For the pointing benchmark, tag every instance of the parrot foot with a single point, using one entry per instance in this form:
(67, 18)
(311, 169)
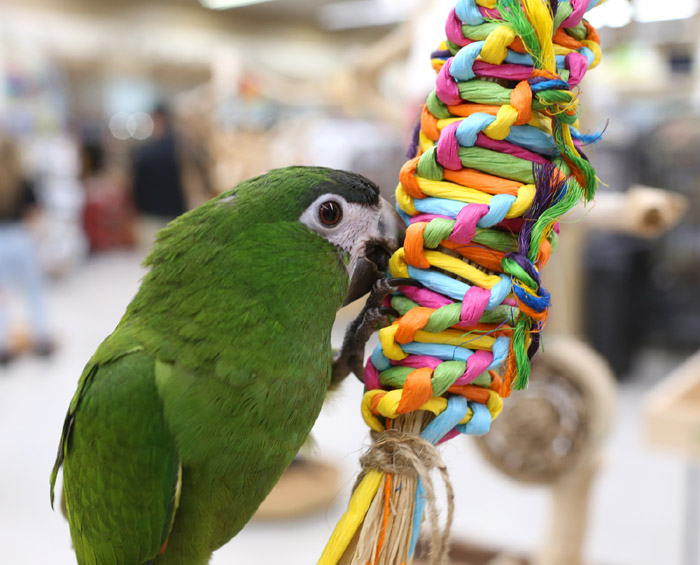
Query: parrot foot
(352, 354)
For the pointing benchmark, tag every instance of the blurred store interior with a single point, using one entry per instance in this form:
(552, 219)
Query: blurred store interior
(87, 87)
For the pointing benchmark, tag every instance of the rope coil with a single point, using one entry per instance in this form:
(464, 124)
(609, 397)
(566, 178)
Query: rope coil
(496, 161)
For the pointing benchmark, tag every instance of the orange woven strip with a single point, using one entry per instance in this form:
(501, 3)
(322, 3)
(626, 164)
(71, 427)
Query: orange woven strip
(562, 38)
(417, 390)
(466, 110)
(517, 45)
(385, 518)
(521, 100)
(543, 73)
(471, 392)
(544, 253)
(592, 33)
(408, 180)
(482, 255)
(415, 319)
(375, 402)
(413, 246)
(483, 181)
(428, 124)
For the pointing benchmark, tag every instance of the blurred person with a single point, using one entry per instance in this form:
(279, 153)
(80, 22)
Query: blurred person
(157, 179)
(108, 215)
(19, 264)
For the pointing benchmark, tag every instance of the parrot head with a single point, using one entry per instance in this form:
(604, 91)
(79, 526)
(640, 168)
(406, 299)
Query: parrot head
(344, 208)
(365, 228)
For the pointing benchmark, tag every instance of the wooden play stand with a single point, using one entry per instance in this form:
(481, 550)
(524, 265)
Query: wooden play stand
(672, 421)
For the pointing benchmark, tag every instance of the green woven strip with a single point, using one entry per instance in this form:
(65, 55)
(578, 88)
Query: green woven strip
(428, 167)
(499, 164)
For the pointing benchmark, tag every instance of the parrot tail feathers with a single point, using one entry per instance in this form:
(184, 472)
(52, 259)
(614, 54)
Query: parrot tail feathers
(176, 503)
(85, 380)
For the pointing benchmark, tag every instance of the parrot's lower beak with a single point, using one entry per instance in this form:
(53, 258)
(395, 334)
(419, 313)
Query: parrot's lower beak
(379, 247)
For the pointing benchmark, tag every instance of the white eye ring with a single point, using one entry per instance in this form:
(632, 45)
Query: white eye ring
(330, 213)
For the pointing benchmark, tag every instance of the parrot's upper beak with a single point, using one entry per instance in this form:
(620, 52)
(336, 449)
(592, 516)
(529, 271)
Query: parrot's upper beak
(372, 265)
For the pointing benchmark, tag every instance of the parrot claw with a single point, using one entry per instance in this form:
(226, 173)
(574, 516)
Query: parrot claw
(386, 311)
(397, 282)
(352, 354)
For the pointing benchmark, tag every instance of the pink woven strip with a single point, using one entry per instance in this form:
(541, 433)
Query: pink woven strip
(577, 65)
(505, 71)
(446, 87)
(371, 376)
(419, 361)
(448, 148)
(465, 226)
(475, 302)
(425, 297)
(477, 363)
(453, 30)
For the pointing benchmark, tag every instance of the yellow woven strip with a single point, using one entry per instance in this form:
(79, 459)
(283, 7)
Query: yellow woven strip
(561, 50)
(491, 4)
(540, 16)
(397, 264)
(404, 201)
(349, 523)
(496, 45)
(367, 415)
(389, 346)
(526, 194)
(494, 404)
(456, 337)
(389, 404)
(441, 124)
(425, 142)
(462, 269)
(541, 122)
(500, 127)
(453, 191)
(538, 120)
(387, 339)
(566, 134)
(468, 416)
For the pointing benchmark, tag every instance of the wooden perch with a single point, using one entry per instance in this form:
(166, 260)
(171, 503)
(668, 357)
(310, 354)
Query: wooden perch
(642, 211)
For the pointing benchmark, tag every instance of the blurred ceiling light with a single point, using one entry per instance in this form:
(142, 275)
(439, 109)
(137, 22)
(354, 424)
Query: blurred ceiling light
(613, 13)
(364, 13)
(227, 4)
(655, 11)
(140, 125)
(117, 125)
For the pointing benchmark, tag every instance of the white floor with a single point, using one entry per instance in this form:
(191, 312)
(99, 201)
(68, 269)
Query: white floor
(637, 511)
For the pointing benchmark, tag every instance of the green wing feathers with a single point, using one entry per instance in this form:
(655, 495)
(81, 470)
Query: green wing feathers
(121, 471)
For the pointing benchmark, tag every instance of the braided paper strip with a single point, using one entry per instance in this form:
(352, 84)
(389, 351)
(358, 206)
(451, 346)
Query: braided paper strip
(497, 160)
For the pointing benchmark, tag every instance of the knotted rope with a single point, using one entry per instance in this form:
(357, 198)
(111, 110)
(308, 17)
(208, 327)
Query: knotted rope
(394, 452)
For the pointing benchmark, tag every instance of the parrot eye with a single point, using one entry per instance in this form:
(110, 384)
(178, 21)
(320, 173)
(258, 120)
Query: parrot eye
(330, 213)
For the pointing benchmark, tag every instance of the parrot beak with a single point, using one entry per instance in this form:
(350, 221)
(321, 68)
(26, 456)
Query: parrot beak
(386, 237)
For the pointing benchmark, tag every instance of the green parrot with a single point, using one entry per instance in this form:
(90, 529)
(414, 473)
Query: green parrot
(188, 413)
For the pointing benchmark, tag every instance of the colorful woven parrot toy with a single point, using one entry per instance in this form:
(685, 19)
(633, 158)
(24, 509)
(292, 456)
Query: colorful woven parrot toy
(498, 159)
